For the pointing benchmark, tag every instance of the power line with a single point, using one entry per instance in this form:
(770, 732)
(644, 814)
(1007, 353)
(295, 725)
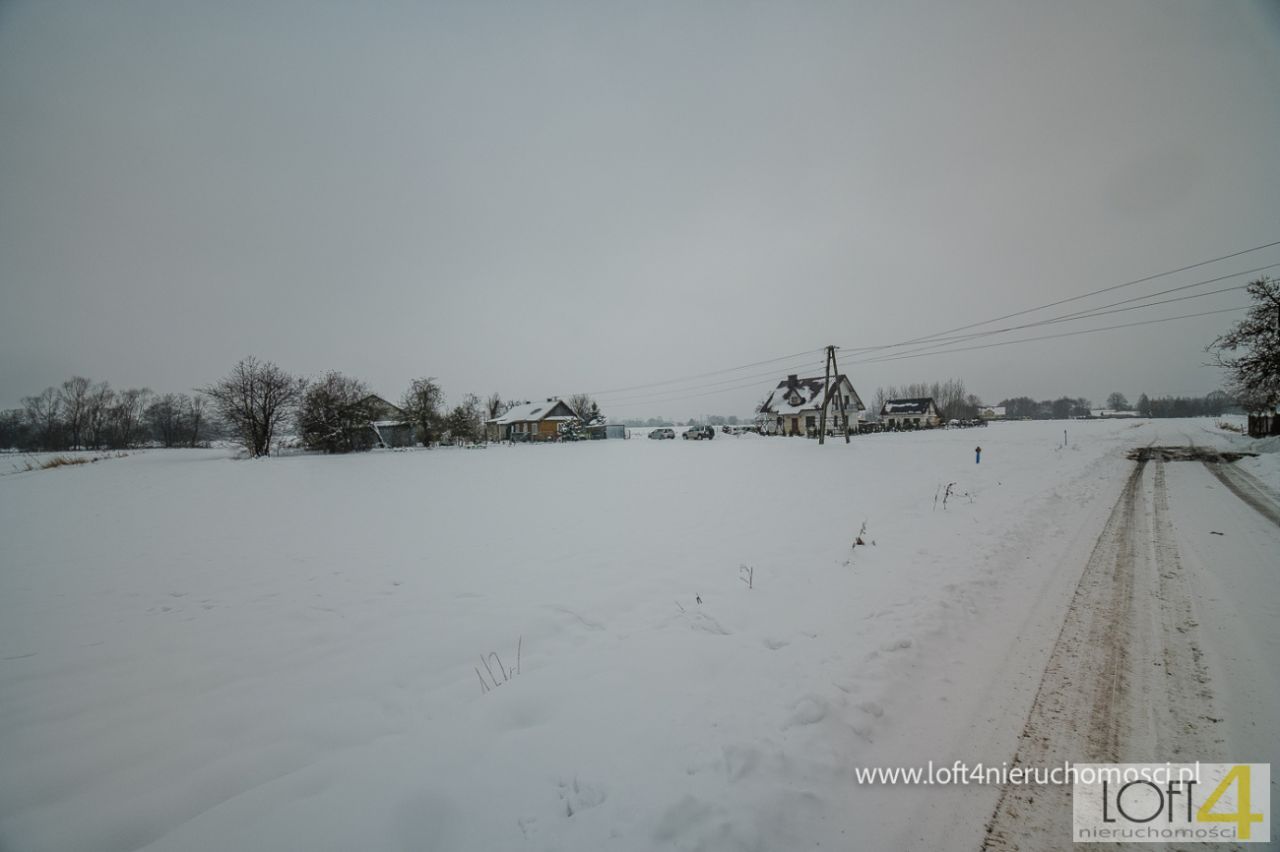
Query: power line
(1186, 287)
(1087, 312)
(679, 398)
(937, 341)
(755, 381)
(904, 356)
(1079, 315)
(1051, 336)
(1135, 281)
(809, 352)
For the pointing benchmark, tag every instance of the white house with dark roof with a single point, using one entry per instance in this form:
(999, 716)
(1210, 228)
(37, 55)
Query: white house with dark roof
(910, 413)
(795, 406)
(530, 421)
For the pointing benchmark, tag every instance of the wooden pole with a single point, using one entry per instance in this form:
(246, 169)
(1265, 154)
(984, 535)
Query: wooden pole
(844, 407)
(826, 397)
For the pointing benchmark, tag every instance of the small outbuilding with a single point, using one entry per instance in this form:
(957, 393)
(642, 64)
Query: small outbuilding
(599, 431)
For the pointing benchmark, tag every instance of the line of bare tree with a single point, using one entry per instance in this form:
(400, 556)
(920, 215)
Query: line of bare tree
(1024, 407)
(1212, 404)
(950, 397)
(82, 414)
(254, 405)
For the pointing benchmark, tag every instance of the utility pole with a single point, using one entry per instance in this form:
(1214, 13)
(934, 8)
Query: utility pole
(844, 402)
(832, 370)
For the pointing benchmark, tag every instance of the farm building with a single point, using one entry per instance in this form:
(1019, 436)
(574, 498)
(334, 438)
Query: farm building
(795, 406)
(910, 414)
(389, 425)
(531, 421)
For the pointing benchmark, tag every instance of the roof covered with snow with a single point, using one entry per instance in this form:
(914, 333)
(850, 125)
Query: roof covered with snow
(532, 412)
(907, 406)
(794, 394)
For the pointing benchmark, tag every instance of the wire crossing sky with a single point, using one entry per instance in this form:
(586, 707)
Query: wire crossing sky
(547, 197)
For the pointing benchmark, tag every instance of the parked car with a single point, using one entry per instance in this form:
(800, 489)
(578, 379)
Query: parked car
(699, 433)
(663, 433)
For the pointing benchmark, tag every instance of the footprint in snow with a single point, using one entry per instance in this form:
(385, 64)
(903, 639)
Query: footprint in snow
(809, 710)
(871, 708)
(707, 624)
(576, 796)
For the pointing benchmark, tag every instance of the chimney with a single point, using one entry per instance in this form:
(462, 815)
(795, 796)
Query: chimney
(793, 380)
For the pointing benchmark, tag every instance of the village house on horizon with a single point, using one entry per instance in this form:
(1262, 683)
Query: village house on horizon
(919, 413)
(530, 421)
(795, 406)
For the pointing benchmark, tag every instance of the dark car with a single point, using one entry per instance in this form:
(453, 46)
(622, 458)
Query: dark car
(699, 433)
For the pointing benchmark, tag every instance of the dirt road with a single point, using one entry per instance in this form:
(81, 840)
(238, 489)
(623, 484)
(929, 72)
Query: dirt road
(1129, 679)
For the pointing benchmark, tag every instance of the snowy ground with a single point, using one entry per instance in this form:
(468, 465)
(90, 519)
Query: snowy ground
(200, 653)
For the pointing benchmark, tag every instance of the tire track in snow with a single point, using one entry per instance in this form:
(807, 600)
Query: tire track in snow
(1126, 681)
(1245, 486)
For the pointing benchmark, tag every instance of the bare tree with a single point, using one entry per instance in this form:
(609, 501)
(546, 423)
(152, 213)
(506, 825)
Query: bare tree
(1217, 402)
(43, 412)
(98, 407)
(195, 417)
(1250, 351)
(585, 408)
(494, 406)
(761, 412)
(878, 401)
(14, 431)
(74, 397)
(423, 401)
(126, 416)
(164, 418)
(253, 400)
(1117, 402)
(332, 414)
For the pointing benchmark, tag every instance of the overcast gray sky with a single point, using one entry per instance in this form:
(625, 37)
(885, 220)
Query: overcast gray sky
(540, 198)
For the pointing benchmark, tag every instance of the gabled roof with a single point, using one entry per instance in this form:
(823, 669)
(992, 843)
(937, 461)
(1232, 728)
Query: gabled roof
(794, 394)
(907, 406)
(384, 411)
(532, 412)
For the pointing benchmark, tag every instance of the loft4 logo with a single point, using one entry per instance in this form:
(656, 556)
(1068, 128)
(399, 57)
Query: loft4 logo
(1242, 815)
(1171, 802)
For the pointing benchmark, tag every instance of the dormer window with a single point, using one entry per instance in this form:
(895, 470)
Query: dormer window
(794, 399)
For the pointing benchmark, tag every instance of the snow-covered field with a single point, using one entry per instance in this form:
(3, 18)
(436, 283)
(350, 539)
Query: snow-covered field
(203, 653)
